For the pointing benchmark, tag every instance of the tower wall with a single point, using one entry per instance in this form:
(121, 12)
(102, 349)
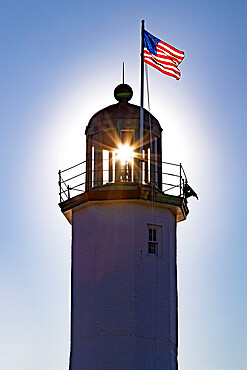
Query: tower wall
(124, 299)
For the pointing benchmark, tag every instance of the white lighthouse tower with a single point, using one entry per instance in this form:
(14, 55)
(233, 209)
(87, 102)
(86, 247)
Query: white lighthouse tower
(124, 208)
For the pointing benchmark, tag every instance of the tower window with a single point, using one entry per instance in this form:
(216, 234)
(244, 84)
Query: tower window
(152, 241)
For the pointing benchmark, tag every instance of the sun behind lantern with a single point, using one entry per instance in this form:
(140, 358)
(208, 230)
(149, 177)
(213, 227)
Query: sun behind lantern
(124, 153)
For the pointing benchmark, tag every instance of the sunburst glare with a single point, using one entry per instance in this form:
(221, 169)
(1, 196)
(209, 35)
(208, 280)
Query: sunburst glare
(125, 153)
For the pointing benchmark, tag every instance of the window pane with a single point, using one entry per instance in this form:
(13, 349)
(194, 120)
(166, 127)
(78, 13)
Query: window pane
(105, 166)
(156, 160)
(92, 166)
(152, 247)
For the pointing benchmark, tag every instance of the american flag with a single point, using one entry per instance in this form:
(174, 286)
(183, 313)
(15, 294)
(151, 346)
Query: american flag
(161, 55)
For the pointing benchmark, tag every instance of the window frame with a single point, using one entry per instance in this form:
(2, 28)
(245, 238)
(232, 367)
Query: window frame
(154, 245)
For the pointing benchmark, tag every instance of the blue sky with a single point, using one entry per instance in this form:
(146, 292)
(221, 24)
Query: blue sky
(60, 62)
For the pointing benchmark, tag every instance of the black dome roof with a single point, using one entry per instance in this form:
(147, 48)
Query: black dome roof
(113, 114)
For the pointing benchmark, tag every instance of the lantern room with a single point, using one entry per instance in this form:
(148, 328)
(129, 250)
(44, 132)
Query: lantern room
(114, 152)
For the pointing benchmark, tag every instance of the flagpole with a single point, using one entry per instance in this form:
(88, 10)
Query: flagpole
(142, 91)
(142, 61)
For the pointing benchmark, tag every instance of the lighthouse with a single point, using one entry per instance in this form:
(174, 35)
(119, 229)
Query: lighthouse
(124, 204)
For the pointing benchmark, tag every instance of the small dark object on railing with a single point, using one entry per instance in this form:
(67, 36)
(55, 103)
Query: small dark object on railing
(189, 192)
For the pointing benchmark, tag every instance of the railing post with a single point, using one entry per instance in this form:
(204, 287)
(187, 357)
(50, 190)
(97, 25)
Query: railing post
(180, 179)
(59, 184)
(68, 188)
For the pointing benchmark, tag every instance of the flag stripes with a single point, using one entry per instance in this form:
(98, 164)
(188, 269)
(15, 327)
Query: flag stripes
(162, 56)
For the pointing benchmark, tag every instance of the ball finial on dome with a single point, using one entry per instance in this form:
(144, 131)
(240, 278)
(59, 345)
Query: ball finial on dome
(123, 93)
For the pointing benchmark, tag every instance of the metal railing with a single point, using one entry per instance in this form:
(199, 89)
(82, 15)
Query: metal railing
(73, 180)
(173, 179)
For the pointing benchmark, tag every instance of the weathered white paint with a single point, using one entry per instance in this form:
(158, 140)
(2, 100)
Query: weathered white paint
(124, 301)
